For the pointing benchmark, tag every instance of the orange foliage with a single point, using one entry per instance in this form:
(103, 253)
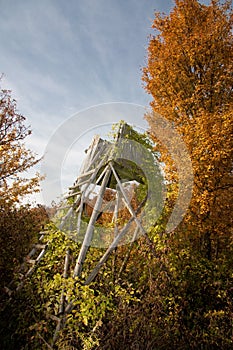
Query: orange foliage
(15, 158)
(109, 201)
(189, 75)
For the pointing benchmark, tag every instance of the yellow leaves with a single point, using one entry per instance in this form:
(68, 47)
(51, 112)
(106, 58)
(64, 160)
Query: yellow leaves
(85, 320)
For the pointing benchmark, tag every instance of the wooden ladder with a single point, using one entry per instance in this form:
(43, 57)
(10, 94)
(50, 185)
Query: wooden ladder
(29, 265)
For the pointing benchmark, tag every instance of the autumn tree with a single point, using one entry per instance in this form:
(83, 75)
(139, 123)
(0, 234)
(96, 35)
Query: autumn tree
(189, 75)
(19, 224)
(15, 157)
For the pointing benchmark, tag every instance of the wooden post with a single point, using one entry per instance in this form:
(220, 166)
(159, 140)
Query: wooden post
(132, 212)
(126, 258)
(65, 276)
(116, 230)
(116, 210)
(127, 202)
(83, 198)
(110, 249)
(90, 227)
(68, 214)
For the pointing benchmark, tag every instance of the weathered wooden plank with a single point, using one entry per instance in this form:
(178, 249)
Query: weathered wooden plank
(93, 185)
(93, 154)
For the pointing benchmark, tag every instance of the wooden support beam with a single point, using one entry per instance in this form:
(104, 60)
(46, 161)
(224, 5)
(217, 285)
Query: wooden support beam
(116, 211)
(83, 199)
(110, 249)
(127, 202)
(96, 182)
(65, 276)
(68, 214)
(113, 245)
(126, 257)
(90, 227)
(132, 212)
(116, 230)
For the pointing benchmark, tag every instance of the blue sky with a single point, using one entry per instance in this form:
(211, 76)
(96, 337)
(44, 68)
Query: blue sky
(62, 57)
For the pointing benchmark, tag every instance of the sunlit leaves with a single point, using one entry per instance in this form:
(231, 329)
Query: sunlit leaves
(15, 158)
(189, 75)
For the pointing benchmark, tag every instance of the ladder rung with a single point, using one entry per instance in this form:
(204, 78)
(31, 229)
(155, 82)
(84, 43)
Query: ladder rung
(40, 256)
(29, 272)
(79, 184)
(86, 173)
(27, 260)
(72, 194)
(83, 182)
(66, 207)
(31, 261)
(73, 187)
(40, 246)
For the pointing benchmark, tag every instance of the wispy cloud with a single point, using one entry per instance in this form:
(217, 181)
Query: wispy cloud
(60, 57)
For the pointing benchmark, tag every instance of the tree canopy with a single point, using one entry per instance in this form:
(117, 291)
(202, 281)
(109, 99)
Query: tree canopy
(189, 75)
(15, 157)
(190, 61)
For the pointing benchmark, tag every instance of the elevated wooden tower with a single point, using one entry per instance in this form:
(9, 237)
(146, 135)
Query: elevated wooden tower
(107, 168)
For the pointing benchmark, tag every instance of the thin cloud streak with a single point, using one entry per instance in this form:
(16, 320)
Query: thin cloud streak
(62, 57)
